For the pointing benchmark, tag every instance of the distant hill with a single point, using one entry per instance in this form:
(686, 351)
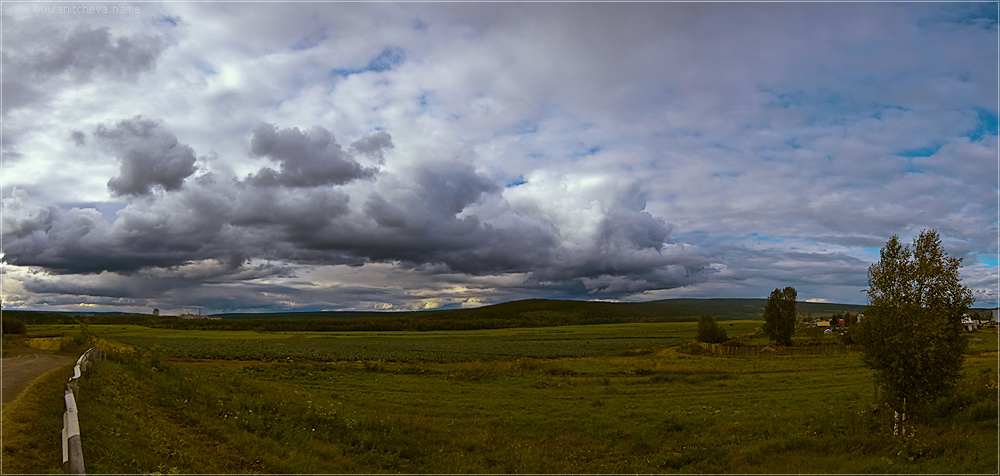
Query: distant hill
(526, 313)
(726, 309)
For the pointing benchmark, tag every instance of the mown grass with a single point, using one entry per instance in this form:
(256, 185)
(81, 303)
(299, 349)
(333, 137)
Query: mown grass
(639, 410)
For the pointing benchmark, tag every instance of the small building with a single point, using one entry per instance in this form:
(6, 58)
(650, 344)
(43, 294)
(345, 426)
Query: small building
(198, 316)
(823, 324)
(156, 312)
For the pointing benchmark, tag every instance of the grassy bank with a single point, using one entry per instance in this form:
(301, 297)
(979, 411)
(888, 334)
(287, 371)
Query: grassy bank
(652, 411)
(32, 426)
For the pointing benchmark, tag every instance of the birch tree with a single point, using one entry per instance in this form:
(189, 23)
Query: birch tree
(911, 335)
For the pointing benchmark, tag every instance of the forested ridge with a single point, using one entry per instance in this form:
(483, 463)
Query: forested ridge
(526, 313)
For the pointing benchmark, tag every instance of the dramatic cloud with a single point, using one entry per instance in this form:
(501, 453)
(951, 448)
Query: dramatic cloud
(150, 156)
(366, 156)
(306, 159)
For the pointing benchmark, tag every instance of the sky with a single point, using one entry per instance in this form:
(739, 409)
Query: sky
(258, 157)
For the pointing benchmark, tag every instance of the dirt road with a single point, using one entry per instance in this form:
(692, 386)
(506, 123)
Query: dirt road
(19, 371)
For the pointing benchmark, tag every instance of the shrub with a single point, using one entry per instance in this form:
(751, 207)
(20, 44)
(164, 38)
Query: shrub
(13, 325)
(692, 348)
(710, 331)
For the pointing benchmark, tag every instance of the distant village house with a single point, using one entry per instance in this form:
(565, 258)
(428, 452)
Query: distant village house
(978, 319)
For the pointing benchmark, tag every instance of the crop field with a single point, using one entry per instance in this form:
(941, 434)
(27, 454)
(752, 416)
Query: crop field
(617, 398)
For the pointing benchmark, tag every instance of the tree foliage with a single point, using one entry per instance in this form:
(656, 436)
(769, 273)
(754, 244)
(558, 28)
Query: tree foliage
(12, 325)
(779, 315)
(911, 335)
(710, 331)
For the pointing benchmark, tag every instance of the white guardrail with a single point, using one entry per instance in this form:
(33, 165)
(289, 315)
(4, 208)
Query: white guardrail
(72, 448)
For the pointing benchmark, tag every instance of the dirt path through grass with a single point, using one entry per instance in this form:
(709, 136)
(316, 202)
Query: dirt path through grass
(19, 371)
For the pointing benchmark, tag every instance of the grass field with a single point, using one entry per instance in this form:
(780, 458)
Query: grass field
(619, 398)
(403, 346)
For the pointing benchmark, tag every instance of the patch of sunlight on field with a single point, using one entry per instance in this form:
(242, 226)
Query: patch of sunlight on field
(51, 344)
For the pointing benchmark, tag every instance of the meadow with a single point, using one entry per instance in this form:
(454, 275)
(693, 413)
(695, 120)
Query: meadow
(613, 398)
(398, 346)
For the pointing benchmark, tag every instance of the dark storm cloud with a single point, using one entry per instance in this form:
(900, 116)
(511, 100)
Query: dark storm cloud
(24, 221)
(68, 241)
(434, 218)
(629, 256)
(425, 220)
(435, 196)
(212, 218)
(109, 285)
(150, 156)
(306, 159)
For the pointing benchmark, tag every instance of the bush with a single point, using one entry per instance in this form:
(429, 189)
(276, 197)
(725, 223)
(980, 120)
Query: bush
(13, 325)
(710, 331)
(692, 348)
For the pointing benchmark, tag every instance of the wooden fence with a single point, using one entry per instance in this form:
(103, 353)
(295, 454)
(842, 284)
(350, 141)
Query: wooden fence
(775, 350)
(71, 445)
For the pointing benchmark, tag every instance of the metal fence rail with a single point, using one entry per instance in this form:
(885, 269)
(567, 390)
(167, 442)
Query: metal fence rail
(72, 448)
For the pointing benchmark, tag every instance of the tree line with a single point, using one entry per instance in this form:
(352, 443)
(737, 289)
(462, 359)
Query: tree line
(471, 319)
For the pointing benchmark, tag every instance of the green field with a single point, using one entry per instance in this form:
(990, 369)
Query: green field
(614, 398)
(402, 346)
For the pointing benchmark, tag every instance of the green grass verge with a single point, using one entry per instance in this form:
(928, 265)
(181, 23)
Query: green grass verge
(32, 426)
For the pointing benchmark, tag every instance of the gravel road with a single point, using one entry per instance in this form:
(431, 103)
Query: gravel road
(19, 371)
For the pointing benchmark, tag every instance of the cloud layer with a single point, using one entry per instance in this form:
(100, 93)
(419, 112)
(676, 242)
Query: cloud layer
(462, 154)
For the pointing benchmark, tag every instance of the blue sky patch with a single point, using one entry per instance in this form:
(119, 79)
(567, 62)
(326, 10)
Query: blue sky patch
(981, 14)
(519, 180)
(168, 20)
(386, 60)
(108, 210)
(586, 151)
(986, 126)
(920, 152)
(206, 69)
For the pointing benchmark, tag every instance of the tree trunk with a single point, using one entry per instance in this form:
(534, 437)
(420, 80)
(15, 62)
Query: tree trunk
(899, 422)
